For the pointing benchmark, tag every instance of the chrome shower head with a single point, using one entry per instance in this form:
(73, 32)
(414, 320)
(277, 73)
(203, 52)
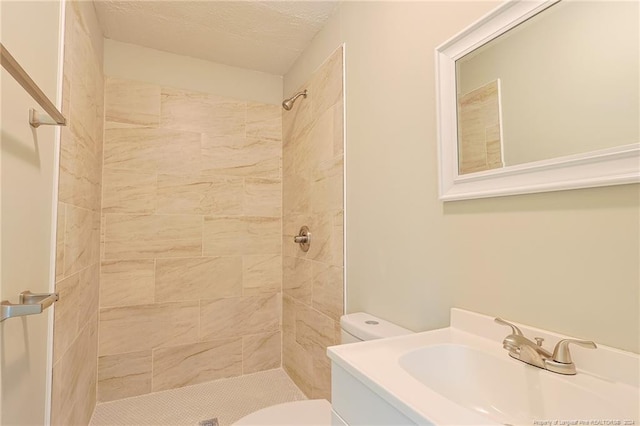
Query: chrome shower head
(288, 103)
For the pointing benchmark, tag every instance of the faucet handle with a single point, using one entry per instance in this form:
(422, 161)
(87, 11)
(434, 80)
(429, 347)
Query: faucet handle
(561, 351)
(515, 330)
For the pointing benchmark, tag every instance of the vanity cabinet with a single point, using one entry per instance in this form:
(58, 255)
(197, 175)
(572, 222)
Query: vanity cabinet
(353, 403)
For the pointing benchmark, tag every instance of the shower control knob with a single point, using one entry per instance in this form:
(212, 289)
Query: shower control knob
(303, 238)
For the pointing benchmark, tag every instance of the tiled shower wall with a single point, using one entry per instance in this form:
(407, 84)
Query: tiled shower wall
(313, 163)
(78, 228)
(191, 272)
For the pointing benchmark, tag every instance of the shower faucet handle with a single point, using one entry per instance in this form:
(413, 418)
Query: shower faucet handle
(303, 238)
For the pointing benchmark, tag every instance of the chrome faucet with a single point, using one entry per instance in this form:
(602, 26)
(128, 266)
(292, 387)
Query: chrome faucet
(533, 353)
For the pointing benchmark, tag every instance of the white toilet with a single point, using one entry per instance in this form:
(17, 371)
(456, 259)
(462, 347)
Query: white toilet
(356, 327)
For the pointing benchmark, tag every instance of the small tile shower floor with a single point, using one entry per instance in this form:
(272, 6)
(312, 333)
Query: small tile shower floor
(228, 400)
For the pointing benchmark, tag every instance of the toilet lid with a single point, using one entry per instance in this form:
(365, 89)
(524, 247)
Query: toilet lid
(298, 413)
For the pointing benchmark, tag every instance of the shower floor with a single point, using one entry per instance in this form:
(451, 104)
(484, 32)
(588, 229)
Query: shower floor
(228, 400)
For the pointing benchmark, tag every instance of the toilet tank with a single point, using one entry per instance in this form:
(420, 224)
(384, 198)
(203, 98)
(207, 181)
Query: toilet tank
(361, 326)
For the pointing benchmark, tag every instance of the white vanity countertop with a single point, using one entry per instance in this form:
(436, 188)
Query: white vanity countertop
(376, 364)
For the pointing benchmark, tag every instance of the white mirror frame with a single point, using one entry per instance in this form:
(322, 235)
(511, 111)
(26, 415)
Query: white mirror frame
(611, 166)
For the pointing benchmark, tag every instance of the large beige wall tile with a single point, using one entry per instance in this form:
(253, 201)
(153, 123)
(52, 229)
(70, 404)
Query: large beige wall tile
(131, 149)
(152, 150)
(89, 293)
(127, 282)
(74, 379)
(296, 121)
(86, 96)
(327, 186)
(297, 278)
(321, 248)
(143, 327)
(321, 379)
(99, 128)
(198, 278)
(288, 320)
(261, 352)
(296, 194)
(264, 121)
(261, 274)
(299, 366)
(338, 129)
(81, 239)
(337, 239)
(66, 325)
(241, 235)
(128, 192)
(299, 156)
(240, 156)
(328, 290)
(239, 316)
(60, 226)
(202, 113)
(80, 171)
(152, 227)
(317, 146)
(134, 102)
(152, 236)
(124, 375)
(315, 331)
(326, 84)
(194, 194)
(152, 249)
(178, 152)
(191, 364)
(298, 363)
(103, 222)
(262, 197)
(83, 106)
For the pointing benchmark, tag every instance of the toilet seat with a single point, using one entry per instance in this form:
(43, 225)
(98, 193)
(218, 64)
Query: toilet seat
(298, 413)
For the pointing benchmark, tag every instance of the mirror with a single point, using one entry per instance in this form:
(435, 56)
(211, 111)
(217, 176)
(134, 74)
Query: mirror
(540, 96)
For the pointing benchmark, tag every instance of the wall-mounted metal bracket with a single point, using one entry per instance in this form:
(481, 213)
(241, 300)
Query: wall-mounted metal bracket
(29, 304)
(35, 118)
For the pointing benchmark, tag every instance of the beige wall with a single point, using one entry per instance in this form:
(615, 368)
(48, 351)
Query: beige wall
(553, 75)
(313, 165)
(78, 235)
(191, 265)
(130, 61)
(28, 163)
(566, 261)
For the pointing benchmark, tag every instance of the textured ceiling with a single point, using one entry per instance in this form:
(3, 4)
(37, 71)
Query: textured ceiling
(265, 36)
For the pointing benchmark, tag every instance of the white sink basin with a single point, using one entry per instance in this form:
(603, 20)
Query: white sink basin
(461, 375)
(506, 390)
